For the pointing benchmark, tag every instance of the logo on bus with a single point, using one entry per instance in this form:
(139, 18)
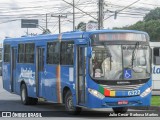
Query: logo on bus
(127, 73)
(28, 75)
(156, 70)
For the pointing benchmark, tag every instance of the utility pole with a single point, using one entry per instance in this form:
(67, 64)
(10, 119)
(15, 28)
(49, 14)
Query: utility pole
(73, 16)
(46, 22)
(59, 17)
(73, 5)
(100, 14)
(59, 20)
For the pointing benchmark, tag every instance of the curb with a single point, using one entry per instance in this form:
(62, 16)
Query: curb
(156, 108)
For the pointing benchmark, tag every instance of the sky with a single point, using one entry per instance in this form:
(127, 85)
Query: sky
(12, 11)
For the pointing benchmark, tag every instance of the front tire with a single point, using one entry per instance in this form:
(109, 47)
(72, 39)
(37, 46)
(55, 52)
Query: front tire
(24, 97)
(70, 108)
(120, 109)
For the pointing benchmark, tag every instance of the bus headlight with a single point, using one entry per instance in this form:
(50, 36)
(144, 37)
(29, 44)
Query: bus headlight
(96, 93)
(146, 92)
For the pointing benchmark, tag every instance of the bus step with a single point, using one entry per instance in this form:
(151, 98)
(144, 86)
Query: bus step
(41, 99)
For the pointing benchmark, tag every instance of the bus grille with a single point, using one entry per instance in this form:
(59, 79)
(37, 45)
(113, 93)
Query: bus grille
(122, 87)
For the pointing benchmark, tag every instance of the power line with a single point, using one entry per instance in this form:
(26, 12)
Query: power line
(122, 9)
(80, 10)
(86, 4)
(59, 18)
(132, 8)
(60, 13)
(68, 21)
(15, 20)
(144, 3)
(25, 15)
(73, 15)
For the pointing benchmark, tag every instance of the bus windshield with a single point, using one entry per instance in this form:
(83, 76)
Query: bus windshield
(119, 62)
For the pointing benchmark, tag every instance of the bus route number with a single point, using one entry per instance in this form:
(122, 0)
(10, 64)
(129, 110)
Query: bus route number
(134, 92)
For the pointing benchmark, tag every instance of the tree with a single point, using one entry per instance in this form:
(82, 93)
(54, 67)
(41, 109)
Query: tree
(81, 26)
(150, 24)
(153, 15)
(46, 31)
(92, 21)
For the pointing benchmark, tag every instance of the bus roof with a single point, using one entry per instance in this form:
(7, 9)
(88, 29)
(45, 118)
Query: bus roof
(116, 31)
(67, 35)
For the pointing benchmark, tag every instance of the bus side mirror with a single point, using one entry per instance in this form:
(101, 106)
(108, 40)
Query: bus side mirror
(89, 52)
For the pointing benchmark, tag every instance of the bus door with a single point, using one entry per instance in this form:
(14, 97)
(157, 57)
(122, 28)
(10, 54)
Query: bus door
(81, 74)
(39, 70)
(156, 70)
(13, 68)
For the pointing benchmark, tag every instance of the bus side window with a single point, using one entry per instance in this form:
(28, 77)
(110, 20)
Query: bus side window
(26, 53)
(21, 53)
(156, 53)
(29, 52)
(67, 53)
(6, 53)
(53, 52)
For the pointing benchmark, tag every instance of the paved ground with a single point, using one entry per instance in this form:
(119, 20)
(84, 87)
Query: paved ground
(11, 102)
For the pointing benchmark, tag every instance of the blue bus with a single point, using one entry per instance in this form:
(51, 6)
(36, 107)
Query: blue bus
(93, 69)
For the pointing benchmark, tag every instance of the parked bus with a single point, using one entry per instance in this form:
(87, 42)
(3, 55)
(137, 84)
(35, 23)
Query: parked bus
(94, 69)
(155, 46)
(1, 58)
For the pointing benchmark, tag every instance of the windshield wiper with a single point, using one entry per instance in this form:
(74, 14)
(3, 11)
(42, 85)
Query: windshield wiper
(134, 53)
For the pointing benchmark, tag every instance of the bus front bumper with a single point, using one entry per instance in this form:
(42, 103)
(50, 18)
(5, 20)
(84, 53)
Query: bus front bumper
(109, 102)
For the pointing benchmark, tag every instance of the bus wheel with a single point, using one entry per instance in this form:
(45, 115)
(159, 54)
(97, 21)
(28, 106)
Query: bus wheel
(120, 109)
(70, 108)
(24, 95)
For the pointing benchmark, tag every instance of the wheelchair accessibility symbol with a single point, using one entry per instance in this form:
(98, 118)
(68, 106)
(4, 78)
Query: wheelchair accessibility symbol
(127, 73)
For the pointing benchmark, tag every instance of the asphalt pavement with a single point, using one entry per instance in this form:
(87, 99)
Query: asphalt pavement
(11, 103)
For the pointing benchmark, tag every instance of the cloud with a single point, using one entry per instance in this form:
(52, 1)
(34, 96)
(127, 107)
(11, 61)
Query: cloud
(22, 7)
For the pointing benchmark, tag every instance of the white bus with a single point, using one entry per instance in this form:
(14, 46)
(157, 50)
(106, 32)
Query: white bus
(155, 46)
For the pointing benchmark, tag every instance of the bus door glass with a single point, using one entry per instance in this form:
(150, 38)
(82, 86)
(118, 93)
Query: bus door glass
(81, 73)
(39, 70)
(156, 68)
(13, 69)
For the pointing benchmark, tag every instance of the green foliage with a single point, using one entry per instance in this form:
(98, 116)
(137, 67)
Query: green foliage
(150, 24)
(81, 26)
(152, 27)
(155, 101)
(92, 21)
(153, 15)
(46, 31)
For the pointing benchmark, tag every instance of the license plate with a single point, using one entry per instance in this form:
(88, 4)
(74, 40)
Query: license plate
(123, 102)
